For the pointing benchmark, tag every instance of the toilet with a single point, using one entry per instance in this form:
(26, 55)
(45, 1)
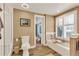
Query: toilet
(25, 45)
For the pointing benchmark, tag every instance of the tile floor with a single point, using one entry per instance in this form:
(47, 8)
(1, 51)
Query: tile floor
(41, 50)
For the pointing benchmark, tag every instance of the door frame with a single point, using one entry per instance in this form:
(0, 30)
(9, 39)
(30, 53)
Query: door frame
(35, 28)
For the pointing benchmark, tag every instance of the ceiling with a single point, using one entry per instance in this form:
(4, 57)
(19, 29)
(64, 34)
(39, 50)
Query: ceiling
(47, 8)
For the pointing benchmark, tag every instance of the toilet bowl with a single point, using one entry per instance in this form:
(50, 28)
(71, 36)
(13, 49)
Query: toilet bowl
(25, 45)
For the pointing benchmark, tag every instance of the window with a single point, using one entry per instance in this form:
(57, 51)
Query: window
(69, 19)
(69, 25)
(59, 27)
(65, 25)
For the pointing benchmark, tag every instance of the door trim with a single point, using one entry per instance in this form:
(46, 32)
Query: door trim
(35, 28)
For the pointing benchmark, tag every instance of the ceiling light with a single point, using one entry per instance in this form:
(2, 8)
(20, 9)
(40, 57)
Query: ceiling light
(25, 5)
(58, 11)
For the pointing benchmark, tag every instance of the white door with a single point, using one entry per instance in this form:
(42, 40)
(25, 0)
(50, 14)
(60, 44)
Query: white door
(2, 32)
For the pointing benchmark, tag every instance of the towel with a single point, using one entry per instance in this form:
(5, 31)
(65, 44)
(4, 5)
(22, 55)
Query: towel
(1, 26)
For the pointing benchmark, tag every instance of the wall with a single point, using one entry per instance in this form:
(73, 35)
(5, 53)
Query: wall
(49, 23)
(23, 31)
(77, 19)
(8, 29)
(77, 9)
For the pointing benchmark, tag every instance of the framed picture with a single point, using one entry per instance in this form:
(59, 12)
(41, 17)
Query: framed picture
(25, 22)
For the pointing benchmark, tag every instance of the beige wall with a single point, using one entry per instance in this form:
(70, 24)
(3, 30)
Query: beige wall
(78, 19)
(49, 23)
(24, 31)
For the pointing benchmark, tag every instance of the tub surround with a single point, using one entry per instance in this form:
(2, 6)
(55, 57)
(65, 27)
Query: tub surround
(59, 46)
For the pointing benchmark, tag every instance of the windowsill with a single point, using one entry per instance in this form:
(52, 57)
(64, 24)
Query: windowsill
(63, 39)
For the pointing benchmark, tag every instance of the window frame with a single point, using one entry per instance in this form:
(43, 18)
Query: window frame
(63, 16)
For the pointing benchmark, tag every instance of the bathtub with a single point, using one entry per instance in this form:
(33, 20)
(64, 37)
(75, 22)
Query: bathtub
(61, 48)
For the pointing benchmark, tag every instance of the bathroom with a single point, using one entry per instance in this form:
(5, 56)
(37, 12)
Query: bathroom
(23, 26)
(49, 29)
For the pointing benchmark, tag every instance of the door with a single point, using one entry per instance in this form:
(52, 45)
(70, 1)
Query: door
(1, 31)
(42, 29)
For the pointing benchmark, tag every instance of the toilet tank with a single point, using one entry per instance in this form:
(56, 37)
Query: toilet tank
(25, 42)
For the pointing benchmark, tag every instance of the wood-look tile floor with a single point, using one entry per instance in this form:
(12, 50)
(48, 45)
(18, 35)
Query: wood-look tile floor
(19, 54)
(41, 50)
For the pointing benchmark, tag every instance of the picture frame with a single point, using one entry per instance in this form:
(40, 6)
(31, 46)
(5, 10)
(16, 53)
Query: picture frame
(25, 22)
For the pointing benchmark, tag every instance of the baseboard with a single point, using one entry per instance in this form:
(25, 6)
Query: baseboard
(44, 44)
(10, 53)
(32, 47)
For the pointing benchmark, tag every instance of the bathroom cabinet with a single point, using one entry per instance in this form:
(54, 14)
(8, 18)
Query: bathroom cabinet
(74, 46)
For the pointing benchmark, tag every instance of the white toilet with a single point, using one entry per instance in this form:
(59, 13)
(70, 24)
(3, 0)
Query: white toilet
(25, 45)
